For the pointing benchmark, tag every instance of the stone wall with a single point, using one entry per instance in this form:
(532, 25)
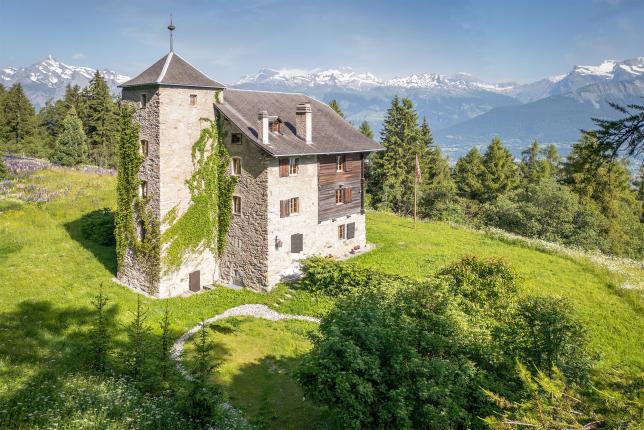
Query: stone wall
(130, 272)
(318, 238)
(180, 127)
(247, 243)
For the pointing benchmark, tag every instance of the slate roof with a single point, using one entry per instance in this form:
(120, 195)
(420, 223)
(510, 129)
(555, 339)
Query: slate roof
(331, 134)
(174, 71)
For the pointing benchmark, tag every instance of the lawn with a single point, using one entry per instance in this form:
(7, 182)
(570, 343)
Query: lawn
(49, 274)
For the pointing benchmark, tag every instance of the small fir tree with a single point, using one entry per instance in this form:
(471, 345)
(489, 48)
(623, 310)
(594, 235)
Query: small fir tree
(165, 344)
(4, 171)
(102, 127)
(19, 127)
(500, 171)
(538, 163)
(100, 337)
(137, 330)
(71, 145)
(366, 130)
(333, 104)
(469, 174)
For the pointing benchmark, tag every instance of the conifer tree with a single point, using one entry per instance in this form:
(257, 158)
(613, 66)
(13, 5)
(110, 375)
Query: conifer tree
(4, 171)
(71, 145)
(438, 189)
(137, 331)
(500, 171)
(333, 104)
(469, 174)
(19, 128)
(538, 163)
(366, 130)
(100, 337)
(166, 343)
(101, 122)
(393, 171)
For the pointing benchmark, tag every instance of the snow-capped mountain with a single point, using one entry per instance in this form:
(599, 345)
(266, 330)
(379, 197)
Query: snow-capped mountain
(47, 79)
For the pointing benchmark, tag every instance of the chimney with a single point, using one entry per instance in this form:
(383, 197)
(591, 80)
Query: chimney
(303, 122)
(262, 129)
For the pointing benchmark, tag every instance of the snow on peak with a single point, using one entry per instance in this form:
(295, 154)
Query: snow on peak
(343, 76)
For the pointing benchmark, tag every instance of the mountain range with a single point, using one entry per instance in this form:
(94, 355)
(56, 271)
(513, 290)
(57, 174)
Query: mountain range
(461, 109)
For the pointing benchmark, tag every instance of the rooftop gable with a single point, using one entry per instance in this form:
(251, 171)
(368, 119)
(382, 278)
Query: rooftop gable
(331, 134)
(174, 71)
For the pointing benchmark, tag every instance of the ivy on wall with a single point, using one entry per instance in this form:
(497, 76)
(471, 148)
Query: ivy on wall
(136, 227)
(206, 221)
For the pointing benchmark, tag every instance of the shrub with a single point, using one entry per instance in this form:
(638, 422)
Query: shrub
(98, 226)
(4, 171)
(326, 275)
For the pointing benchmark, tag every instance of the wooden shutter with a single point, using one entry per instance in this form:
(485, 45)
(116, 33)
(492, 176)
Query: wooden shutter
(283, 167)
(347, 163)
(284, 208)
(351, 230)
(297, 242)
(348, 195)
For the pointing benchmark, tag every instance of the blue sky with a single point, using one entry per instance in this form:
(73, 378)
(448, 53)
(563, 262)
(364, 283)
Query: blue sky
(502, 40)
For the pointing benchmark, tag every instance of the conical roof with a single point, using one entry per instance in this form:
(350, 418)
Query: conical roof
(175, 71)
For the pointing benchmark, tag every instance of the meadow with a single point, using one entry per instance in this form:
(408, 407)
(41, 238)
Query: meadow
(49, 274)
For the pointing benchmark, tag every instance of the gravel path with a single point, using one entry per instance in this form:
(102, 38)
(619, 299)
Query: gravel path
(257, 311)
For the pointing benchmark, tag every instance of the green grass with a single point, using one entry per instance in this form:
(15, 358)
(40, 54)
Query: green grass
(49, 274)
(614, 317)
(257, 361)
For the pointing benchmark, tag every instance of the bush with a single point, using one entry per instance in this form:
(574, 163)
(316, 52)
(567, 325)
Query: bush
(417, 356)
(4, 171)
(98, 226)
(328, 276)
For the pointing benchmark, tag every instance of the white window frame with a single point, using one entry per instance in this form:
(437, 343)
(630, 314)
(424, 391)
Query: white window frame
(293, 166)
(342, 232)
(237, 208)
(293, 206)
(234, 171)
(340, 163)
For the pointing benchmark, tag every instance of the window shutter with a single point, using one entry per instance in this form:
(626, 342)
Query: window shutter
(351, 230)
(297, 242)
(283, 167)
(347, 163)
(348, 195)
(284, 208)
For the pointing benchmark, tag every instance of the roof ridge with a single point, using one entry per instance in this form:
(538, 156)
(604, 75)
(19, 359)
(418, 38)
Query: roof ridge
(198, 70)
(168, 58)
(268, 92)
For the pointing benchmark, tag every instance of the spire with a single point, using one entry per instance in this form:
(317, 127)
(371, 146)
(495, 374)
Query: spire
(171, 27)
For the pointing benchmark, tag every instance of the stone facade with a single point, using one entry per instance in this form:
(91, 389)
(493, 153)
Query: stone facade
(258, 250)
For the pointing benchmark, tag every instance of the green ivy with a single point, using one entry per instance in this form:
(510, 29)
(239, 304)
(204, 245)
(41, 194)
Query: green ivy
(205, 224)
(131, 207)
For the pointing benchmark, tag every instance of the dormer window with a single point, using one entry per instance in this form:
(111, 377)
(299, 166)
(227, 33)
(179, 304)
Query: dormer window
(276, 125)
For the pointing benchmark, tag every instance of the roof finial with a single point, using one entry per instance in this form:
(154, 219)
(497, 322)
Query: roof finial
(171, 27)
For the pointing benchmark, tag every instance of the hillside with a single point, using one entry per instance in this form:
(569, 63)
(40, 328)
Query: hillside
(49, 274)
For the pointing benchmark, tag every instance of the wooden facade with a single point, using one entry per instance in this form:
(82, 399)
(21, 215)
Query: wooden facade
(344, 174)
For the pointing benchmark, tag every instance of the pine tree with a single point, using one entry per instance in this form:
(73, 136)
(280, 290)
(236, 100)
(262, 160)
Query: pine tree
(366, 130)
(438, 190)
(500, 171)
(100, 337)
(101, 123)
(621, 136)
(166, 343)
(137, 331)
(392, 173)
(469, 175)
(4, 171)
(19, 128)
(333, 104)
(71, 145)
(538, 163)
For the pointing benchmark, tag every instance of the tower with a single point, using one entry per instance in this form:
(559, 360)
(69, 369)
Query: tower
(170, 98)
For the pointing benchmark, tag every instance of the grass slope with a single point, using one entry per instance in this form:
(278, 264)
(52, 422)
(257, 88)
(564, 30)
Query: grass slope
(49, 274)
(614, 317)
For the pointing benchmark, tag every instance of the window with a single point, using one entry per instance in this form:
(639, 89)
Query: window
(289, 207)
(237, 205)
(297, 243)
(143, 191)
(144, 148)
(340, 163)
(236, 138)
(235, 166)
(293, 166)
(238, 281)
(342, 231)
(144, 101)
(193, 100)
(343, 195)
(276, 126)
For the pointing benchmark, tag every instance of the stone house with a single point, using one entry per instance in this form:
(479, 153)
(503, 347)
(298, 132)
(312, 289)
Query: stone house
(300, 168)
